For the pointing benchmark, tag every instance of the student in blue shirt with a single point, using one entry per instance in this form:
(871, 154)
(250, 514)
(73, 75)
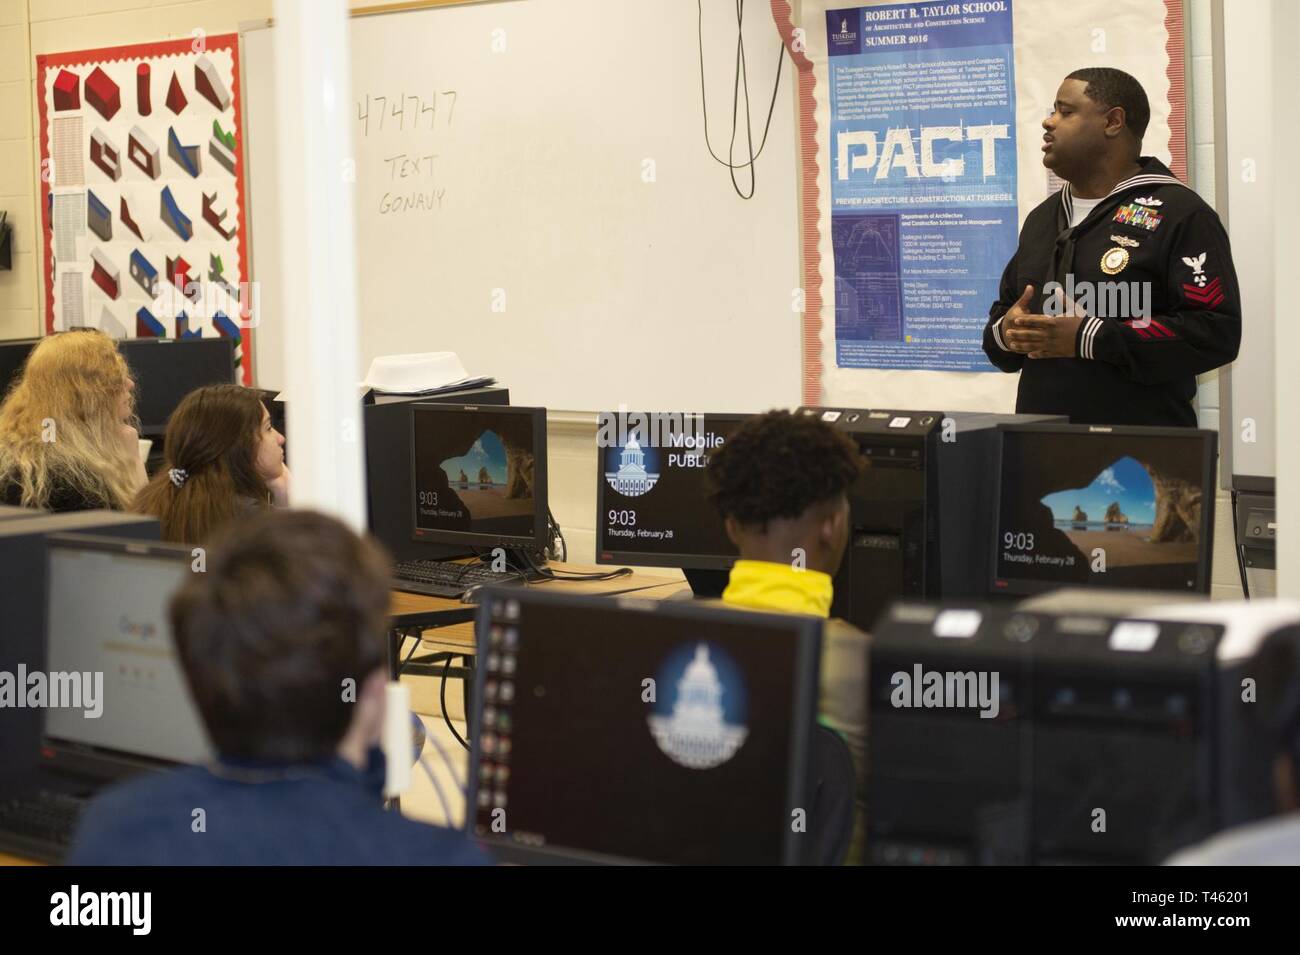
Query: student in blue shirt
(289, 614)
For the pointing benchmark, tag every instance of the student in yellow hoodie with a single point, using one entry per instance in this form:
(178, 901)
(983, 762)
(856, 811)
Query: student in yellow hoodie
(781, 485)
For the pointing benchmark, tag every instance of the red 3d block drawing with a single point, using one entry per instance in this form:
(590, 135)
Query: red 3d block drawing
(176, 100)
(105, 274)
(103, 94)
(208, 82)
(67, 91)
(143, 102)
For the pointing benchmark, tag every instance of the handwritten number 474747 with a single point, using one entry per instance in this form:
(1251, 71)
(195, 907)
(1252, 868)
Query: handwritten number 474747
(405, 112)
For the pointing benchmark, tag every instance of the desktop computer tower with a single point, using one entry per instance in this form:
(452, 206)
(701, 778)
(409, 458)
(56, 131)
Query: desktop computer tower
(1103, 747)
(922, 509)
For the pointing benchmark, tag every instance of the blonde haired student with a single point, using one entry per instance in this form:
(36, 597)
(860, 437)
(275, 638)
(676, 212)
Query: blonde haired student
(67, 436)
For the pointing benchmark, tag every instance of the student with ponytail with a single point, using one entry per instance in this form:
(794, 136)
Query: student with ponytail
(223, 459)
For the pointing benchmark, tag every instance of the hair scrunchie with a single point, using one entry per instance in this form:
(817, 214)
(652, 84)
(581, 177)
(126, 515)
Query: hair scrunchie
(178, 476)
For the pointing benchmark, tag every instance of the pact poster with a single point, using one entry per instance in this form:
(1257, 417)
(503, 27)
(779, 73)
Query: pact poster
(923, 180)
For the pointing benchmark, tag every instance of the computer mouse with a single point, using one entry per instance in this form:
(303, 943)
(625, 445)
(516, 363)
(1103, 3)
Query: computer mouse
(471, 596)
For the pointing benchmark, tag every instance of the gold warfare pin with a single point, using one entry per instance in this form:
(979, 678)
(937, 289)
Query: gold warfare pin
(1114, 260)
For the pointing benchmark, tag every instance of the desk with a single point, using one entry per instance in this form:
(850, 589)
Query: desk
(414, 615)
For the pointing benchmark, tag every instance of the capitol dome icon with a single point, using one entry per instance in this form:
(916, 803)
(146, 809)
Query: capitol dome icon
(632, 479)
(697, 734)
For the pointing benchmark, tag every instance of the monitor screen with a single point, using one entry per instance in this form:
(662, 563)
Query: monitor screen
(651, 507)
(1120, 507)
(617, 729)
(12, 356)
(166, 371)
(107, 625)
(478, 475)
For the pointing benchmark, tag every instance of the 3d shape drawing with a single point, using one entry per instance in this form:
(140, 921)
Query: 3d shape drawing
(172, 215)
(145, 275)
(208, 82)
(178, 272)
(176, 100)
(104, 274)
(129, 221)
(98, 219)
(110, 326)
(146, 326)
(189, 158)
(143, 99)
(140, 149)
(221, 147)
(216, 217)
(105, 155)
(103, 94)
(67, 91)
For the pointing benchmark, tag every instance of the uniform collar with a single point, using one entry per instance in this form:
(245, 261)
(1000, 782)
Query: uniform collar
(1154, 173)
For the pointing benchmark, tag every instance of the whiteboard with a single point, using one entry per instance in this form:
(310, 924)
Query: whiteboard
(571, 234)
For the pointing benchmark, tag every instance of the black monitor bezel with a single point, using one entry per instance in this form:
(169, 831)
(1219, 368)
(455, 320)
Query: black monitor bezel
(86, 759)
(686, 561)
(807, 632)
(1205, 546)
(135, 347)
(541, 507)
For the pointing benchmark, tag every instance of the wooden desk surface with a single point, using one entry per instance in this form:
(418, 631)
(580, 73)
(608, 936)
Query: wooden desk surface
(6, 859)
(460, 636)
(407, 608)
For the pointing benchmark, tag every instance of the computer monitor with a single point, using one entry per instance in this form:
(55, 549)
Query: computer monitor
(618, 729)
(651, 508)
(23, 615)
(13, 353)
(1103, 506)
(107, 622)
(478, 476)
(167, 370)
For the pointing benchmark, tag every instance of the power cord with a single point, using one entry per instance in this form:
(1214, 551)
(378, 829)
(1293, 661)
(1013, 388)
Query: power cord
(741, 82)
(545, 573)
(442, 701)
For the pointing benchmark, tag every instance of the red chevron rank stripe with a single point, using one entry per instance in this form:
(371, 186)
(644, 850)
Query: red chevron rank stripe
(1209, 296)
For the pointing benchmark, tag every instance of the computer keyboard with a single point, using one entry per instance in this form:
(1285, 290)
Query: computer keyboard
(445, 579)
(40, 824)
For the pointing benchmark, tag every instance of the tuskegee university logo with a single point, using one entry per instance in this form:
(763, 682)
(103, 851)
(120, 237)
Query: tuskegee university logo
(701, 724)
(840, 37)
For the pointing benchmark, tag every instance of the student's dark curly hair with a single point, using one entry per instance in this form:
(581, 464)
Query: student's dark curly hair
(777, 465)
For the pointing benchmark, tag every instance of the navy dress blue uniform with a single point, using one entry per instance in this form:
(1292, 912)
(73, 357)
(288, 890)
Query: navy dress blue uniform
(1164, 302)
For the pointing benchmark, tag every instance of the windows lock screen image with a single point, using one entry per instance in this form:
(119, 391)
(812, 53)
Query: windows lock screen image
(474, 473)
(1115, 511)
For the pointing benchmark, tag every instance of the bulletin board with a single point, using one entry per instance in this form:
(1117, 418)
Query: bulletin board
(142, 192)
(1033, 44)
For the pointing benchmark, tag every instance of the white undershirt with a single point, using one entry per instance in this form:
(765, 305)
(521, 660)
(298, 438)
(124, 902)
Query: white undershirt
(1080, 209)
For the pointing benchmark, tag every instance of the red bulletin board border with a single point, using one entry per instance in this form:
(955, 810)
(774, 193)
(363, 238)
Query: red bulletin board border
(809, 153)
(45, 61)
